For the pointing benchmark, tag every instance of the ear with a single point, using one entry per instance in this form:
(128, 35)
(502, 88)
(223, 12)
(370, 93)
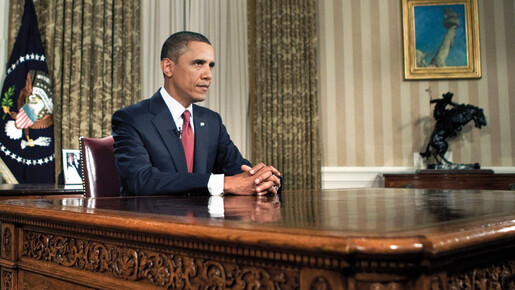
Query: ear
(167, 66)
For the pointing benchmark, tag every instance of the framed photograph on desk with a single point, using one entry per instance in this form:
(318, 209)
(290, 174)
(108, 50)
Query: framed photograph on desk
(72, 167)
(441, 39)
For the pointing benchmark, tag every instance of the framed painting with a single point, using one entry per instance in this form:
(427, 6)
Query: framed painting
(72, 166)
(441, 39)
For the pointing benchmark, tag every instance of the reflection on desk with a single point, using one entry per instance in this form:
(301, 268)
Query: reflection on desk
(246, 208)
(354, 238)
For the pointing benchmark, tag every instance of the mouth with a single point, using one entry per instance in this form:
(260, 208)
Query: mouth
(203, 87)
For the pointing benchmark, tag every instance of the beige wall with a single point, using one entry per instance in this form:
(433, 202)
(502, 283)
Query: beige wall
(371, 116)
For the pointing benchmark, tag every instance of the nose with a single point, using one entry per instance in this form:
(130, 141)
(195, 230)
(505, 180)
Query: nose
(207, 74)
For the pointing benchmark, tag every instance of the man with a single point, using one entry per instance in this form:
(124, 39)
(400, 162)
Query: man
(168, 145)
(441, 105)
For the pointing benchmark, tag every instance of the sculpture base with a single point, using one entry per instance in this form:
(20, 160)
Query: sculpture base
(454, 166)
(455, 171)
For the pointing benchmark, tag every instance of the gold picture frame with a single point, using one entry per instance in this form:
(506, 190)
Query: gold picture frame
(441, 39)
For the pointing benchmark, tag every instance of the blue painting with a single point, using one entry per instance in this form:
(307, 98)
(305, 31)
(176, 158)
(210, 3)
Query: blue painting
(440, 35)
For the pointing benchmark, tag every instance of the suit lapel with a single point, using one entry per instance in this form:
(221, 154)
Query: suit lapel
(165, 125)
(201, 140)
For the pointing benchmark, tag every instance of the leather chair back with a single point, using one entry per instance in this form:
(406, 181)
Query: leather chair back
(99, 174)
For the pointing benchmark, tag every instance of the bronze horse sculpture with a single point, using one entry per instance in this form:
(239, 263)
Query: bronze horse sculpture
(448, 124)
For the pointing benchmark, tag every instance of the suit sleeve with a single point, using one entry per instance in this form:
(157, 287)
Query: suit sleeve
(228, 158)
(138, 173)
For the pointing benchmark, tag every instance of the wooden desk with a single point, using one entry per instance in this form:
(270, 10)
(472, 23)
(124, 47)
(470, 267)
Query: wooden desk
(451, 181)
(342, 239)
(16, 191)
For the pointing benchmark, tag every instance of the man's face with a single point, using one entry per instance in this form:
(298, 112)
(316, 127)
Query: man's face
(189, 78)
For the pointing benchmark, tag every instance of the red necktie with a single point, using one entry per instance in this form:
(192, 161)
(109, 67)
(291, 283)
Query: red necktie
(188, 140)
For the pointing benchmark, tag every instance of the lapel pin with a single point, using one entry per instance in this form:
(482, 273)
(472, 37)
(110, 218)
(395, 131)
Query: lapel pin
(202, 124)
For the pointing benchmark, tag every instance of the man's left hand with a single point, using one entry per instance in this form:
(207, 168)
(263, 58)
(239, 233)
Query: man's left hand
(267, 178)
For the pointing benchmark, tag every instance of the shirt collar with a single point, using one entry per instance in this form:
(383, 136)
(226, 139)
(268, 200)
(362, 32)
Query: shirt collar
(175, 108)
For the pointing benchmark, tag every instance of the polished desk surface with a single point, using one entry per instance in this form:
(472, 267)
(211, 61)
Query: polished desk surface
(407, 220)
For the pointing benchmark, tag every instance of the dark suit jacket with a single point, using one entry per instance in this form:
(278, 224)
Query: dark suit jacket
(149, 154)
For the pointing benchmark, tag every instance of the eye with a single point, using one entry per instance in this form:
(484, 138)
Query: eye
(199, 62)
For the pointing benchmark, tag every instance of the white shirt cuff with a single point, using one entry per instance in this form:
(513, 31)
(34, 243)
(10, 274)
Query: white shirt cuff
(215, 185)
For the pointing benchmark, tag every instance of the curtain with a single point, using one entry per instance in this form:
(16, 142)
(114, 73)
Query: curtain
(93, 55)
(224, 23)
(285, 117)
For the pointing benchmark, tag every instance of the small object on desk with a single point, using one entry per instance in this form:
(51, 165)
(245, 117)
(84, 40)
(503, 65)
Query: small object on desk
(30, 191)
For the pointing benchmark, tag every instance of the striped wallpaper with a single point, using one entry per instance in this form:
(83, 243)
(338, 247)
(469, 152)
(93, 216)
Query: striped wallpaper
(371, 116)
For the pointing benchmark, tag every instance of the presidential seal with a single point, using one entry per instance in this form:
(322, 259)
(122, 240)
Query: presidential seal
(35, 109)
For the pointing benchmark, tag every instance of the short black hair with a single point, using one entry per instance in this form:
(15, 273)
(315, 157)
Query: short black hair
(177, 43)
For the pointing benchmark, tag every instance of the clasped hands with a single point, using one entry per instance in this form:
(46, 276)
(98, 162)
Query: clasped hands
(260, 179)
